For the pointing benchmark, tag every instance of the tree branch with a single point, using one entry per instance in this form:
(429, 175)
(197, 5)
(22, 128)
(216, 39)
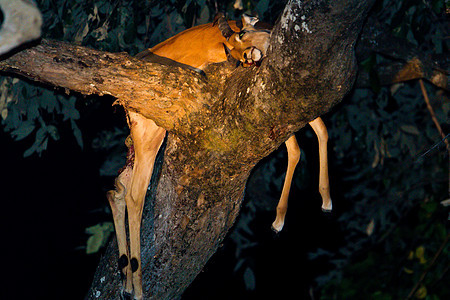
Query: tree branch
(399, 71)
(162, 93)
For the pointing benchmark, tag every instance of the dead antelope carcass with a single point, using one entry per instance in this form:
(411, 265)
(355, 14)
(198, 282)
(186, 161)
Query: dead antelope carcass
(196, 47)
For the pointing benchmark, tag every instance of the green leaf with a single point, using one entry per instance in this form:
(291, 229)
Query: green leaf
(94, 242)
(379, 295)
(40, 142)
(93, 229)
(53, 131)
(99, 236)
(262, 7)
(249, 279)
(48, 100)
(77, 133)
(32, 108)
(23, 131)
(411, 129)
(369, 64)
(437, 5)
(30, 150)
(41, 134)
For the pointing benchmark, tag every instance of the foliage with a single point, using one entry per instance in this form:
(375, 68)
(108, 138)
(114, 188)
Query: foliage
(417, 247)
(395, 167)
(40, 114)
(99, 236)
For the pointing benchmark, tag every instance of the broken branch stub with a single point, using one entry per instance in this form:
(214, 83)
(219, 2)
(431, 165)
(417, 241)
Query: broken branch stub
(22, 23)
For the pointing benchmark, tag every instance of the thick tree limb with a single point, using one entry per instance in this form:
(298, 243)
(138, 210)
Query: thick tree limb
(159, 92)
(220, 127)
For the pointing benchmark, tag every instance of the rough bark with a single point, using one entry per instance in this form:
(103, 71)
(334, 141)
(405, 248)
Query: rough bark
(219, 127)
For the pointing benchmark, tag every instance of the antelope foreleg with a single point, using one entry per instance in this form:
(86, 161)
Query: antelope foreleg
(324, 185)
(293, 157)
(147, 139)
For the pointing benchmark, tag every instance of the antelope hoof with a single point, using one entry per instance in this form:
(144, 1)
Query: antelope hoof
(277, 226)
(327, 207)
(126, 296)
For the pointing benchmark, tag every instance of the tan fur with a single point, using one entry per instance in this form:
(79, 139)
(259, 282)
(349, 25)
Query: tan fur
(197, 47)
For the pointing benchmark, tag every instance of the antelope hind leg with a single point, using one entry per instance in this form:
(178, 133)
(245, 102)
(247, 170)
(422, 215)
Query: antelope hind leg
(293, 157)
(324, 184)
(147, 139)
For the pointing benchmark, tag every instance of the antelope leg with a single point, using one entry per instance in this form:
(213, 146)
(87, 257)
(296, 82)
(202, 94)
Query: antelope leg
(324, 185)
(293, 158)
(117, 202)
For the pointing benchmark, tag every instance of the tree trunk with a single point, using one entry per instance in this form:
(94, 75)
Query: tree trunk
(219, 127)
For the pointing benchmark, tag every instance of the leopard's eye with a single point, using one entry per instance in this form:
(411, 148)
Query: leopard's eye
(241, 34)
